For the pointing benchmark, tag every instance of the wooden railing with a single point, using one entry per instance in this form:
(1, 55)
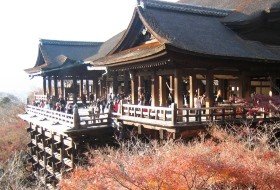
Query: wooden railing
(52, 115)
(174, 116)
(210, 114)
(149, 114)
(71, 120)
(94, 119)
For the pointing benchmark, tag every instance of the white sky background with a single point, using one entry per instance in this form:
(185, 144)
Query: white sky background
(23, 23)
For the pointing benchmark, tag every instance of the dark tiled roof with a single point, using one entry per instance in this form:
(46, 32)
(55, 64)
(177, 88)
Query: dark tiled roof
(107, 47)
(54, 53)
(200, 33)
(180, 7)
(244, 9)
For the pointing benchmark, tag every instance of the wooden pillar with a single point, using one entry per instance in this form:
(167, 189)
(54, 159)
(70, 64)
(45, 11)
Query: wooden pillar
(171, 79)
(193, 88)
(244, 85)
(140, 84)
(273, 85)
(102, 87)
(87, 89)
(75, 90)
(134, 88)
(99, 88)
(126, 83)
(62, 89)
(140, 81)
(115, 83)
(222, 88)
(155, 90)
(55, 87)
(209, 89)
(44, 85)
(49, 86)
(81, 87)
(162, 89)
(95, 89)
(178, 96)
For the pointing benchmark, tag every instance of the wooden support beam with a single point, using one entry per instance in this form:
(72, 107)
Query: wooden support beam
(50, 86)
(162, 90)
(209, 89)
(115, 83)
(174, 113)
(274, 89)
(193, 88)
(87, 89)
(81, 87)
(178, 95)
(140, 81)
(62, 89)
(171, 81)
(102, 87)
(155, 90)
(134, 88)
(55, 87)
(140, 129)
(244, 85)
(161, 134)
(44, 86)
(222, 88)
(95, 89)
(75, 90)
(61, 154)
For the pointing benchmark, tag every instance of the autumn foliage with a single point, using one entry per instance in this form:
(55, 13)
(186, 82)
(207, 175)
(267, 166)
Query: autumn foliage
(241, 158)
(12, 130)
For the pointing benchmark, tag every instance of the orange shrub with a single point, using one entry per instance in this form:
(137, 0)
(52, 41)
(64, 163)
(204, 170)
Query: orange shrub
(224, 161)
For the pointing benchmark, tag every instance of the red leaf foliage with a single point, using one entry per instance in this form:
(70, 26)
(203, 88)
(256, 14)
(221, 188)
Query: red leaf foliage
(228, 163)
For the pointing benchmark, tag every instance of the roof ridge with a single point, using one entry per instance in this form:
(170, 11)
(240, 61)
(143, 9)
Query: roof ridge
(71, 43)
(187, 8)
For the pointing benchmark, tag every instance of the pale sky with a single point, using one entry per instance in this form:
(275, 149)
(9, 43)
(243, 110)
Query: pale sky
(23, 23)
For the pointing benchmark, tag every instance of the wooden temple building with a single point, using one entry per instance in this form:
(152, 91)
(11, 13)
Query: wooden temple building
(180, 50)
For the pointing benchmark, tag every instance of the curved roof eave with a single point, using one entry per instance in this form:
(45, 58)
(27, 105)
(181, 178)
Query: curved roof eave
(134, 16)
(150, 28)
(137, 16)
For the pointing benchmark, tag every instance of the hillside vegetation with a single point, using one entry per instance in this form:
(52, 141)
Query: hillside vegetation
(243, 159)
(15, 172)
(12, 128)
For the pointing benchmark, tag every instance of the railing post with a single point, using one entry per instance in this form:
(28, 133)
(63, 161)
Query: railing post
(156, 114)
(174, 113)
(121, 108)
(76, 117)
(199, 116)
(188, 116)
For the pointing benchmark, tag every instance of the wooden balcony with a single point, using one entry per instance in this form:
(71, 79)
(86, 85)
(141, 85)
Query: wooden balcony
(173, 117)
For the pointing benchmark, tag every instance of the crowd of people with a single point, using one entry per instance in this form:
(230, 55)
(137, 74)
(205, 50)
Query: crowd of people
(112, 101)
(54, 103)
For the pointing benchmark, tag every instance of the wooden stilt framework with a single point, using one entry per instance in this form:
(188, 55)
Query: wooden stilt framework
(58, 139)
(52, 153)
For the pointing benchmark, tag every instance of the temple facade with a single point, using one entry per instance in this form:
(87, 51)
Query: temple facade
(177, 67)
(172, 48)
